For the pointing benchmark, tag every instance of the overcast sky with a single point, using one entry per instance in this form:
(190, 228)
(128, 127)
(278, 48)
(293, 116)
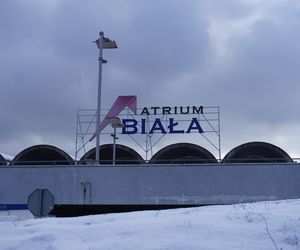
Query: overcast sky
(241, 55)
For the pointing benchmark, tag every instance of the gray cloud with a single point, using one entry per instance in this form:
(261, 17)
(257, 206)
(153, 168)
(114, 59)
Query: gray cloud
(241, 55)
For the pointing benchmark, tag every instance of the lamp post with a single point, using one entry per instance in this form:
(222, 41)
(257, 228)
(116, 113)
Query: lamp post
(115, 123)
(102, 43)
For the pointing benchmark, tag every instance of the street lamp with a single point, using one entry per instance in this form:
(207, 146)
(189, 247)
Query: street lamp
(102, 43)
(115, 123)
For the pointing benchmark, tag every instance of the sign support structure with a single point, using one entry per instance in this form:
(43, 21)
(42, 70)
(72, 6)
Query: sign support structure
(146, 127)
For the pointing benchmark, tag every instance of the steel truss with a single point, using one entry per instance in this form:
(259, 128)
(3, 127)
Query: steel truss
(209, 120)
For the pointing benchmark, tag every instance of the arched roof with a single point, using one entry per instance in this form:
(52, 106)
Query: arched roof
(2, 160)
(124, 155)
(183, 153)
(256, 152)
(42, 155)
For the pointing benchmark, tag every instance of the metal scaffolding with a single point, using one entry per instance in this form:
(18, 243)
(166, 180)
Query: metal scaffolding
(145, 140)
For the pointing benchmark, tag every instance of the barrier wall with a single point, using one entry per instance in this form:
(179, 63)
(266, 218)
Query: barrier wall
(160, 184)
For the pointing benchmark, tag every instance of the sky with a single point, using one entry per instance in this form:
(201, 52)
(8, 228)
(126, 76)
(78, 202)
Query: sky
(242, 56)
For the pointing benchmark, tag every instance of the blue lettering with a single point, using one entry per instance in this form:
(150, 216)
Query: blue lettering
(171, 126)
(129, 126)
(143, 126)
(157, 126)
(195, 126)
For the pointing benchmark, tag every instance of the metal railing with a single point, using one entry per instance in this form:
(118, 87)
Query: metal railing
(137, 162)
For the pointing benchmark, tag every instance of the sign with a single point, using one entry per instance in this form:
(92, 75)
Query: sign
(132, 126)
(144, 126)
(147, 125)
(40, 202)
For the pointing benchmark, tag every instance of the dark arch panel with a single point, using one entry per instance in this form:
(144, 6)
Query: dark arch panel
(43, 155)
(183, 153)
(124, 155)
(2, 160)
(256, 152)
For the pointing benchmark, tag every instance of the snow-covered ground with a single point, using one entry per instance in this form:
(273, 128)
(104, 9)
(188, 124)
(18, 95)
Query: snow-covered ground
(263, 225)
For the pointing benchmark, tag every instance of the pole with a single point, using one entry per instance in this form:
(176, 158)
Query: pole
(100, 45)
(114, 145)
(219, 126)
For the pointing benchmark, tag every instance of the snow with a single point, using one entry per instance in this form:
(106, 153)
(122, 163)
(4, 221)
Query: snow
(262, 225)
(7, 157)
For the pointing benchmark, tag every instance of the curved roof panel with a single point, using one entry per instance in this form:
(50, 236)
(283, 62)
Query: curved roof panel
(2, 160)
(42, 155)
(256, 152)
(124, 155)
(183, 153)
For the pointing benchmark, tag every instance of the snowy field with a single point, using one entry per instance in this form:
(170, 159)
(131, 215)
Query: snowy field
(263, 225)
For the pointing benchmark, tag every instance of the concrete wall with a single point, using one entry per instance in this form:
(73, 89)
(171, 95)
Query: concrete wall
(159, 184)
